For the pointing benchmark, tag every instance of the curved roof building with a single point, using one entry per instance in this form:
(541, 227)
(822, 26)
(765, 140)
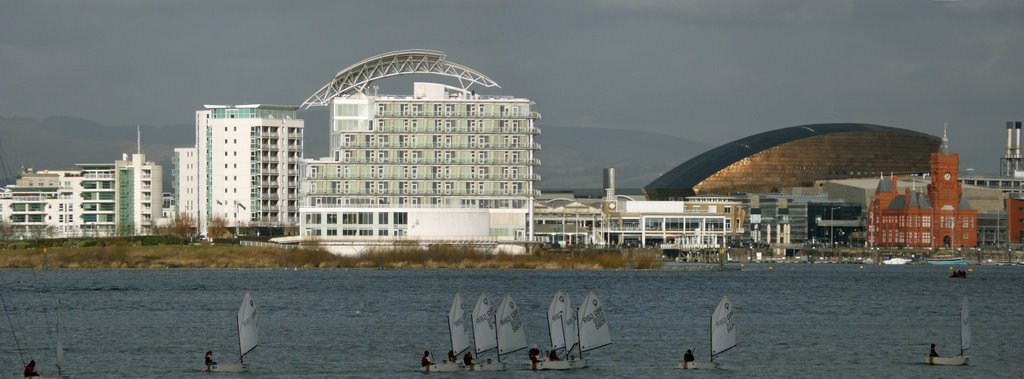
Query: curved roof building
(797, 156)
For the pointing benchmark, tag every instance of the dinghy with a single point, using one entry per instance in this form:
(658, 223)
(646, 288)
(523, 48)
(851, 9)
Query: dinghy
(459, 334)
(248, 332)
(723, 335)
(58, 342)
(591, 327)
(511, 334)
(965, 341)
(563, 332)
(485, 334)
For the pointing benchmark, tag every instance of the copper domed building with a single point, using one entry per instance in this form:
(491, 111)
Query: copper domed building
(796, 157)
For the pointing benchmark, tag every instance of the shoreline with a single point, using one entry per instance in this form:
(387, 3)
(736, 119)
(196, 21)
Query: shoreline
(235, 256)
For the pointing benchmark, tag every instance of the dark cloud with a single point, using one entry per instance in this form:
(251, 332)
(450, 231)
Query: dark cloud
(711, 71)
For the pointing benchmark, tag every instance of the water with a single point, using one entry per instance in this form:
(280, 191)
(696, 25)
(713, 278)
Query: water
(793, 320)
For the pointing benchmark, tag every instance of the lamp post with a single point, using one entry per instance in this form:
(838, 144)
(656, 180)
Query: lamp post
(831, 228)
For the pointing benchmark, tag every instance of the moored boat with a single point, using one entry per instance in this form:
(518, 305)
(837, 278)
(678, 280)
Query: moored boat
(946, 261)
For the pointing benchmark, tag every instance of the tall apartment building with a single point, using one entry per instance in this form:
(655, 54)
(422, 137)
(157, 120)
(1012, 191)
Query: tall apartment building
(243, 168)
(94, 200)
(442, 164)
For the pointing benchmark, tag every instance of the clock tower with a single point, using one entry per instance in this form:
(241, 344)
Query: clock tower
(944, 190)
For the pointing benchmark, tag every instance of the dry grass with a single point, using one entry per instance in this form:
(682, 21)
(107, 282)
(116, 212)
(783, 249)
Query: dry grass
(233, 256)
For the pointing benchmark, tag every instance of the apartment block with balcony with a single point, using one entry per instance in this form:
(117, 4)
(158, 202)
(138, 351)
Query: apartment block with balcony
(454, 164)
(95, 200)
(244, 167)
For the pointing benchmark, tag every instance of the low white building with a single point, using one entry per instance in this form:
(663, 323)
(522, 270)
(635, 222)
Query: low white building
(98, 200)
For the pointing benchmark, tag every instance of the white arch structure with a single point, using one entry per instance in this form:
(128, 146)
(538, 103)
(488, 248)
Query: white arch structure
(403, 62)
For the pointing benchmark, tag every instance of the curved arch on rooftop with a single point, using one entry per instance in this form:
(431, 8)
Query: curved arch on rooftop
(403, 62)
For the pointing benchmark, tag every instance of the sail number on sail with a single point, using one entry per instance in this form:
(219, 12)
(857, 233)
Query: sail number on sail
(461, 321)
(489, 317)
(514, 319)
(726, 320)
(597, 317)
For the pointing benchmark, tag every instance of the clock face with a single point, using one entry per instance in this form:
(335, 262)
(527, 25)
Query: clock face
(947, 176)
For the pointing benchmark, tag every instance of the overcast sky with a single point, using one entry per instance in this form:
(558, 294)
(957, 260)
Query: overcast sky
(711, 71)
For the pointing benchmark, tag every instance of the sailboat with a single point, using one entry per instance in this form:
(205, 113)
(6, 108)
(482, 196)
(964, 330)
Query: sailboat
(563, 331)
(58, 344)
(459, 334)
(592, 325)
(248, 332)
(485, 334)
(511, 334)
(723, 334)
(965, 341)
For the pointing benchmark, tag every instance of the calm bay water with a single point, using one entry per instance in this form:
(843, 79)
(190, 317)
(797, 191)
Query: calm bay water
(793, 320)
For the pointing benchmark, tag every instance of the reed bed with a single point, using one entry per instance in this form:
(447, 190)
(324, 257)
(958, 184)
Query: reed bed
(396, 257)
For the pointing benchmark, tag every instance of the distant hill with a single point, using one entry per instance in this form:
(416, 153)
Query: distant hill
(572, 157)
(61, 142)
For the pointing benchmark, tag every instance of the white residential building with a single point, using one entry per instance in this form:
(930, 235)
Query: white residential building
(244, 167)
(94, 200)
(442, 165)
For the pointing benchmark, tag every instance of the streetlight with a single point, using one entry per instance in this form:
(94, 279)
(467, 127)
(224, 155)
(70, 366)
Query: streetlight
(831, 226)
(831, 231)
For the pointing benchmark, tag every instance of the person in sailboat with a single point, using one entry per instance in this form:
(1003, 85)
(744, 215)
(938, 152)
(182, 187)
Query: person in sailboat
(425, 359)
(534, 357)
(209, 360)
(467, 359)
(933, 353)
(553, 356)
(688, 357)
(451, 356)
(30, 369)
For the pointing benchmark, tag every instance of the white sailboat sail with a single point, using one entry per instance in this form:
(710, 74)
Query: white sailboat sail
(458, 326)
(556, 320)
(248, 329)
(593, 326)
(484, 331)
(723, 327)
(511, 331)
(965, 327)
(571, 326)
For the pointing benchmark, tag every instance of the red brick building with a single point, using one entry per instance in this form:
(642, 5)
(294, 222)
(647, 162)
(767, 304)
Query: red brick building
(940, 218)
(1015, 220)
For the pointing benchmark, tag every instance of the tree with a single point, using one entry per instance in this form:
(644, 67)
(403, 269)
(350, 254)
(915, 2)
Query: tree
(218, 228)
(182, 225)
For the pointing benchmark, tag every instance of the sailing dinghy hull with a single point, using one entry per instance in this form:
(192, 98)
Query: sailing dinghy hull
(486, 367)
(443, 367)
(696, 365)
(561, 365)
(230, 367)
(948, 361)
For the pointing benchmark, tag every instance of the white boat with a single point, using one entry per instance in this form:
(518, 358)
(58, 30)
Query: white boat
(563, 331)
(459, 335)
(591, 326)
(485, 335)
(965, 341)
(248, 333)
(511, 332)
(723, 334)
(896, 261)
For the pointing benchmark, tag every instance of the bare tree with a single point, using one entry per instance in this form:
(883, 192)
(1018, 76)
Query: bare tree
(182, 225)
(218, 228)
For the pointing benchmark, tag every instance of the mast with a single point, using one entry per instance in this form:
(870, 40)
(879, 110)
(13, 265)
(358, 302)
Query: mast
(497, 343)
(711, 335)
(578, 330)
(451, 338)
(238, 330)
